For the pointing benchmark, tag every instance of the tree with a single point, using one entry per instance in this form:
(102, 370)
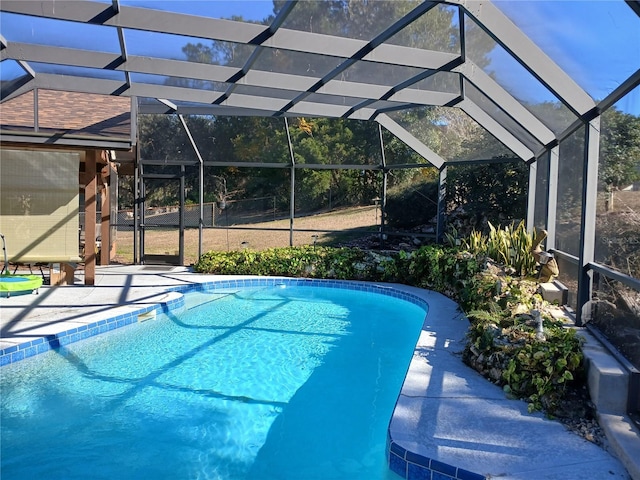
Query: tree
(493, 193)
(336, 142)
(160, 139)
(256, 140)
(619, 151)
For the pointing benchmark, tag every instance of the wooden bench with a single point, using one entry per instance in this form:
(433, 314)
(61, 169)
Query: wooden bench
(61, 272)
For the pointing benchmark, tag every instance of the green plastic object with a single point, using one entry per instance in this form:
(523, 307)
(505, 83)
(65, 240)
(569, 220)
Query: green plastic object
(19, 284)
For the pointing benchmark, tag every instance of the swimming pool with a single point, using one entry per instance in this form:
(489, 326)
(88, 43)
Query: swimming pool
(270, 383)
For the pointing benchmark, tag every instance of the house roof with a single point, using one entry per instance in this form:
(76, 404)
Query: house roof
(67, 118)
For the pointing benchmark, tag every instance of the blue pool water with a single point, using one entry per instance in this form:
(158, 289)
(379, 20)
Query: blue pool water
(273, 383)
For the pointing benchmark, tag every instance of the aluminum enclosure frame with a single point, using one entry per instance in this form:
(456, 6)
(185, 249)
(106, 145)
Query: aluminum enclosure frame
(305, 92)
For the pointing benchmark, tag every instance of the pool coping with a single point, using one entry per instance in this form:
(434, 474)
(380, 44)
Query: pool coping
(418, 447)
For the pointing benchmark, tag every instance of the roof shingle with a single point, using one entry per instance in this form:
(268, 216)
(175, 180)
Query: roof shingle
(69, 112)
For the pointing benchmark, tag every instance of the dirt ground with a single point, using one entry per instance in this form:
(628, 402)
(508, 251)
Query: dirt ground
(165, 242)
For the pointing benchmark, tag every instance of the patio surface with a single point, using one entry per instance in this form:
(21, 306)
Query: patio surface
(448, 418)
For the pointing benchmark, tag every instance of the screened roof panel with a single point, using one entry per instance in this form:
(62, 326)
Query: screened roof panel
(191, 49)
(256, 11)
(437, 29)
(416, 57)
(175, 94)
(176, 68)
(353, 89)
(249, 101)
(423, 97)
(297, 40)
(277, 80)
(11, 70)
(295, 63)
(531, 66)
(379, 74)
(149, 101)
(386, 105)
(115, 14)
(36, 30)
(358, 20)
(496, 62)
(265, 92)
(439, 82)
(73, 71)
(333, 99)
(311, 109)
(491, 19)
(187, 83)
(598, 46)
(511, 124)
(186, 107)
(630, 103)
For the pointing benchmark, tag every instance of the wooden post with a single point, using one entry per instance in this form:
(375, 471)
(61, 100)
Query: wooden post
(105, 216)
(90, 217)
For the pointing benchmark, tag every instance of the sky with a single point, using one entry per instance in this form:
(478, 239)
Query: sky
(598, 46)
(596, 42)
(255, 10)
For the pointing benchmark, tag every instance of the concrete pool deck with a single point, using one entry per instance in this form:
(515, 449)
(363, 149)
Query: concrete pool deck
(449, 422)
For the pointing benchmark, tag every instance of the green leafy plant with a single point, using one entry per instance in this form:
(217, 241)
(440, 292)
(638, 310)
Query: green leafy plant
(540, 371)
(305, 261)
(510, 246)
(504, 347)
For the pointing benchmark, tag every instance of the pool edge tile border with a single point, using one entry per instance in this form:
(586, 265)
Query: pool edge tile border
(412, 466)
(130, 313)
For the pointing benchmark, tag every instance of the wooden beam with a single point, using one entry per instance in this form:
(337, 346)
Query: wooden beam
(105, 215)
(90, 217)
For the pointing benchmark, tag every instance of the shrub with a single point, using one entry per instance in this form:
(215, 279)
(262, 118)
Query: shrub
(305, 261)
(504, 347)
